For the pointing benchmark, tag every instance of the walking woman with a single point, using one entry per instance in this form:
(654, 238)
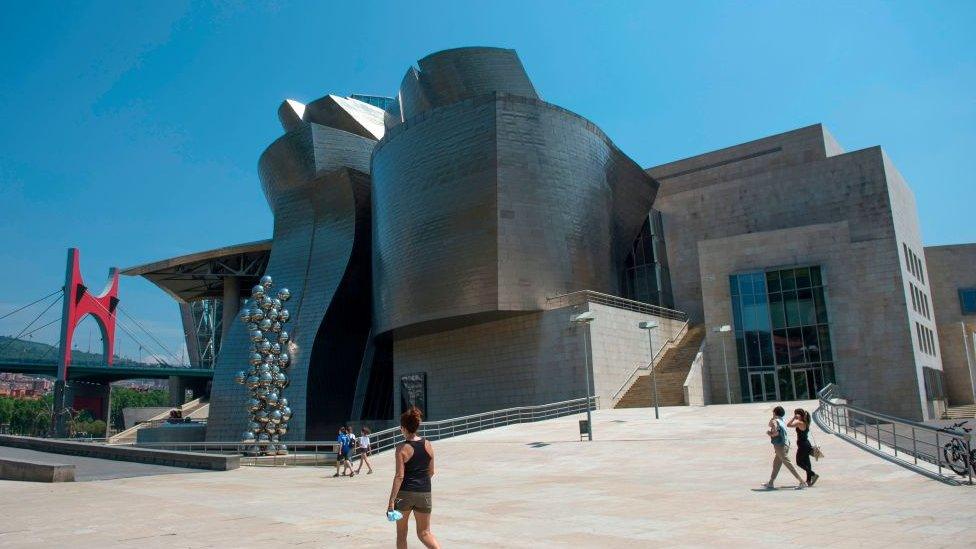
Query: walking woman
(362, 448)
(411, 485)
(801, 421)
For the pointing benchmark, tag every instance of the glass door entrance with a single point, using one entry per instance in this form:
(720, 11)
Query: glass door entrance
(806, 383)
(762, 386)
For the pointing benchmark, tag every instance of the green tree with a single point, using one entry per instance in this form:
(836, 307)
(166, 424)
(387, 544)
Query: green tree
(123, 397)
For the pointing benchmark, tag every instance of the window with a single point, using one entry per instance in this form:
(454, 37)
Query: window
(967, 300)
(934, 383)
(781, 332)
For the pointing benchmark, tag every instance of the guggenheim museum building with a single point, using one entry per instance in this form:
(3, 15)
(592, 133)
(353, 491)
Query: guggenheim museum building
(439, 243)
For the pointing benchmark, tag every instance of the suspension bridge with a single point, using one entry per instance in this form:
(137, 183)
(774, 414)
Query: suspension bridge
(82, 380)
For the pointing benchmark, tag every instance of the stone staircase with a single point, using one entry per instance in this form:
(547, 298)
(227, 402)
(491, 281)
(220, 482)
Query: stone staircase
(672, 370)
(966, 411)
(195, 409)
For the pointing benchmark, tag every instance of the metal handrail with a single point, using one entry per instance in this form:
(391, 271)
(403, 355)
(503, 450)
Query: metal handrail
(923, 448)
(655, 360)
(581, 296)
(441, 429)
(388, 438)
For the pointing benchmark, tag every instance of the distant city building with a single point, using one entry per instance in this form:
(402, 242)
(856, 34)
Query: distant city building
(439, 243)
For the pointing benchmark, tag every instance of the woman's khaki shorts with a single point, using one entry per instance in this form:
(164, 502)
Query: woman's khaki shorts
(416, 501)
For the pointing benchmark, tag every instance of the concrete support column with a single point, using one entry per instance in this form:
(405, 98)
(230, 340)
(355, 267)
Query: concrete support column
(231, 306)
(177, 391)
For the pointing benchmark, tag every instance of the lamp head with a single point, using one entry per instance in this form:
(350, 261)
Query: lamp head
(647, 325)
(725, 328)
(584, 317)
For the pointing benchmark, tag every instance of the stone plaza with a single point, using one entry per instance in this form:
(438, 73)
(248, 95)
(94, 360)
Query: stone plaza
(690, 479)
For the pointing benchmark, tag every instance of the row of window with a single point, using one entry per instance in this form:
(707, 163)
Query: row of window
(913, 263)
(926, 339)
(920, 302)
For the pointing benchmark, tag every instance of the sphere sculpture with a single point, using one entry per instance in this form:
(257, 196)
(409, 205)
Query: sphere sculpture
(265, 317)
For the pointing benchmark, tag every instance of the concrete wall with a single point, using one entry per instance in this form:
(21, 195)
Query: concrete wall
(951, 268)
(796, 199)
(526, 359)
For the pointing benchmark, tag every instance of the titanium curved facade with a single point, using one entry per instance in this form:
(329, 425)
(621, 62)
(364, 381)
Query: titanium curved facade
(488, 200)
(316, 181)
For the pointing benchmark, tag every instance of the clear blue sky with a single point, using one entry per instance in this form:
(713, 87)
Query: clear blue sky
(132, 129)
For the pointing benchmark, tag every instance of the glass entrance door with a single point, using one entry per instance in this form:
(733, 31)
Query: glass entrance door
(762, 386)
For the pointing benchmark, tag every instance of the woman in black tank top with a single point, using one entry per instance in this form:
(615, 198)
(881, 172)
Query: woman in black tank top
(801, 421)
(411, 485)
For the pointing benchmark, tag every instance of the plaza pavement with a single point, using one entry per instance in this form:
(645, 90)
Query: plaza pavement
(689, 479)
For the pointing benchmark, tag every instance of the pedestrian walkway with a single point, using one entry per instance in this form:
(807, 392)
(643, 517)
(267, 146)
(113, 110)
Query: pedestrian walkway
(688, 479)
(87, 468)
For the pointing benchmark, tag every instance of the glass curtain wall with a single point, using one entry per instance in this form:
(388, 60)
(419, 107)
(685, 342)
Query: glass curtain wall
(782, 334)
(646, 274)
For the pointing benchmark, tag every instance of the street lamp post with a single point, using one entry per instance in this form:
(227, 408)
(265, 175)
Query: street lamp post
(583, 319)
(649, 326)
(725, 361)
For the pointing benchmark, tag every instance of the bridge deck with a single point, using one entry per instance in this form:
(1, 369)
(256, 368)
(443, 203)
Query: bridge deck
(687, 480)
(101, 372)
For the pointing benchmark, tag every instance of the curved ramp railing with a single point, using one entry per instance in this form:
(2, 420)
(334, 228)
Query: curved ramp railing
(944, 453)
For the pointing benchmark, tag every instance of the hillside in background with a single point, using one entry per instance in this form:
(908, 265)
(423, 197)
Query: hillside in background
(32, 351)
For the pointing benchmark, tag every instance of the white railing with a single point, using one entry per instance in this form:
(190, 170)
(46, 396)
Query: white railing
(589, 296)
(671, 343)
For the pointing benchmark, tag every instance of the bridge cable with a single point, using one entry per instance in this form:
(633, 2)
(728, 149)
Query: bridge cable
(31, 323)
(59, 290)
(130, 334)
(171, 353)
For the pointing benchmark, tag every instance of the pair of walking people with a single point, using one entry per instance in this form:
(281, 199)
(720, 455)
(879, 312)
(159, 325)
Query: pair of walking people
(779, 436)
(348, 442)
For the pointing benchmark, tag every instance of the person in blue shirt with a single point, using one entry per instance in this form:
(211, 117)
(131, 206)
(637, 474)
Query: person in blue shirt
(342, 456)
(779, 436)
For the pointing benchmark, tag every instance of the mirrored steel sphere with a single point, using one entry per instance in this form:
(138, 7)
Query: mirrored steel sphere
(251, 326)
(272, 314)
(253, 405)
(261, 416)
(253, 450)
(274, 416)
(277, 303)
(264, 345)
(282, 449)
(275, 348)
(248, 436)
(257, 315)
(264, 438)
(254, 426)
(255, 359)
(260, 391)
(257, 292)
(283, 359)
(283, 337)
(286, 412)
(283, 401)
(283, 315)
(276, 327)
(265, 325)
(284, 294)
(265, 377)
(283, 428)
(256, 336)
(279, 378)
(240, 377)
(266, 282)
(246, 315)
(252, 381)
(267, 303)
(263, 367)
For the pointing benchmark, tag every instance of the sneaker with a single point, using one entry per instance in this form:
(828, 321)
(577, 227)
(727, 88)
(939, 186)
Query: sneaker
(768, 486)
(813, 480)
(335, 475)
(801, 486)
